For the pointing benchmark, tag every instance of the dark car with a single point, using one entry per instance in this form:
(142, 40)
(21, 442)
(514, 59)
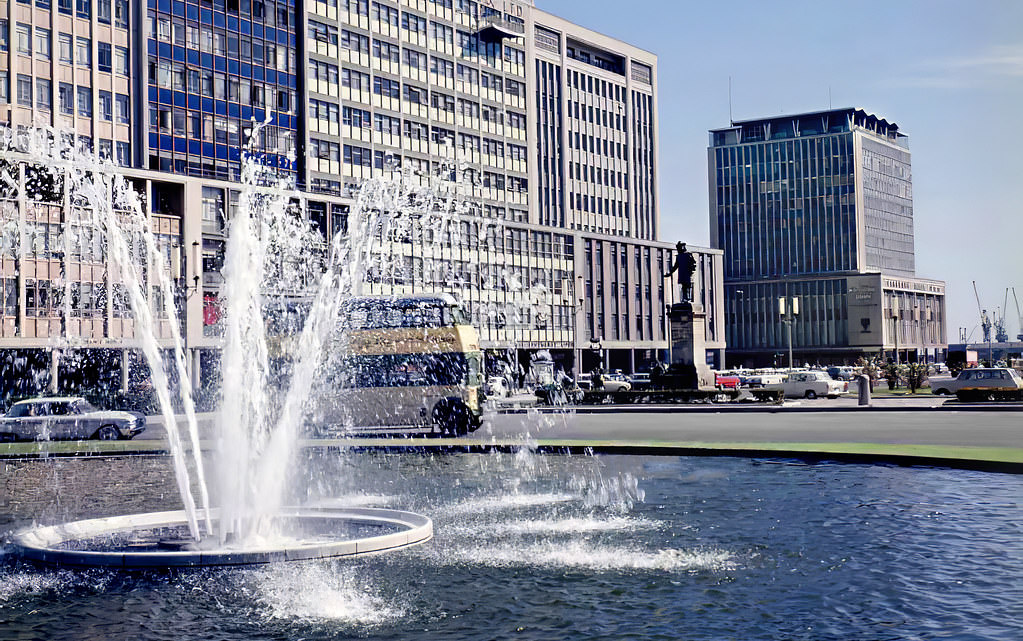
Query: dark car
(67, 417)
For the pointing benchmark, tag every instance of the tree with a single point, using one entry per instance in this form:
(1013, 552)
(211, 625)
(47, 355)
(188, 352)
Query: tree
(915, 374)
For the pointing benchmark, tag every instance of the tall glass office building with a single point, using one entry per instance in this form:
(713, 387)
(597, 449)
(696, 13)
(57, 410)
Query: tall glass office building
(818, 207)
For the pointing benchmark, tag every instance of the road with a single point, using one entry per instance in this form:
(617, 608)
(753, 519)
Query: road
(904, 423)
(931, 427)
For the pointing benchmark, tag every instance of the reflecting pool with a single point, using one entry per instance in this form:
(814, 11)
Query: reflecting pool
(535, 546)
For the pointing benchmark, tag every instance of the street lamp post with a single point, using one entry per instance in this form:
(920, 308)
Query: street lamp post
(788, 309)
(895, 316)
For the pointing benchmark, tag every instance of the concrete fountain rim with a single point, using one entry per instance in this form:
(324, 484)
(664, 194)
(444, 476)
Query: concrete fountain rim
(41, 543)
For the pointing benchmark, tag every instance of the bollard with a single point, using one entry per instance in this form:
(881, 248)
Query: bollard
(864, 389)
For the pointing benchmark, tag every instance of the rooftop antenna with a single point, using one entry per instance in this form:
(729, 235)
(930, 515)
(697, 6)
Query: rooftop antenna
(730, 121)
(829, 98)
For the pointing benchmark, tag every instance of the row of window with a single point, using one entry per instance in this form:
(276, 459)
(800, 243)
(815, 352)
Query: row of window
(107, 11)
(490, 84)
(601, 176)
(68, 98)
(177, 76)
(205, 38)
(71, 49)
(598, 145)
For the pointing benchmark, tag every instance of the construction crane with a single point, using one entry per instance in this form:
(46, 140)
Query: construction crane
(1001, 334)
(985, 322)
(1019, 336)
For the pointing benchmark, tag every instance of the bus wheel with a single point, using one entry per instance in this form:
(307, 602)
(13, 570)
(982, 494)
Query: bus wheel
(451, 417)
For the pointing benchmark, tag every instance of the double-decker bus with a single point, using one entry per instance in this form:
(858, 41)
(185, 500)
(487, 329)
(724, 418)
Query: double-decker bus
(403, 361)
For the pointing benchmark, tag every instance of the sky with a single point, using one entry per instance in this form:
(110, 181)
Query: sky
(950, 73)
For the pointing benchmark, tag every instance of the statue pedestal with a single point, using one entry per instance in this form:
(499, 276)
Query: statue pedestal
(688, 327)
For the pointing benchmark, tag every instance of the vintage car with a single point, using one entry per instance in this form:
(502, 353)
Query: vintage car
(981, 384)
(67, 417)
(809, 384)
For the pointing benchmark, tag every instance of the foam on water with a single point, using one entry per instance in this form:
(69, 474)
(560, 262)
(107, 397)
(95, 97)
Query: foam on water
(507, 502)
(19, 583)
(575, 525)
(321, 591)
(590, 556)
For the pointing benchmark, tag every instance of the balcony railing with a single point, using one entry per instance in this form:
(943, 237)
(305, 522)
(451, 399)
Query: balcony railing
(495, 27)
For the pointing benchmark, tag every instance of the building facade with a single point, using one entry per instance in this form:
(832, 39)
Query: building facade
(818, 208)
(554, 125)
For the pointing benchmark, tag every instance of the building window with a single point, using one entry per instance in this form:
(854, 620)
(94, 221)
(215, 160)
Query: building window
(121, 14)
(43, 43)
(66, 48)
(85, 102)
(44, 89)
(121, 64)
(83, 52)
(123, 109)
(106, 106)
(24, 90)
(104, 57)
(23, 38)
(67, 98)
(123, 153)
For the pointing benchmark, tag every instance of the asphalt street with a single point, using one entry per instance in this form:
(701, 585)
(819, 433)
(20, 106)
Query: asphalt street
(911, 421)
(931, 427)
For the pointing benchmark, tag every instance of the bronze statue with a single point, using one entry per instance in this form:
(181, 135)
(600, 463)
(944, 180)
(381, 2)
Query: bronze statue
(685, 265)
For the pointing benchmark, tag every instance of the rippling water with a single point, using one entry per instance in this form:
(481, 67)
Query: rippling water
(552, 547)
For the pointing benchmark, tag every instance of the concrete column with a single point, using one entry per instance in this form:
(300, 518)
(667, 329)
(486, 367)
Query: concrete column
(124, 370)
(54, 369)
(196, 374)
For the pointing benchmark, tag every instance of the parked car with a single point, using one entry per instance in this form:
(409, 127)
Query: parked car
(640, 380)
(727, 381)
(981, 383)
(611, 383)
(496, 387)
(809, 385)
(761, 381)
(67, 417)
(842, 372)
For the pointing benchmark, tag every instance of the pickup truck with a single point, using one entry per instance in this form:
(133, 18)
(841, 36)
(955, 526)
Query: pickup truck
(980, 383)
(809, 385)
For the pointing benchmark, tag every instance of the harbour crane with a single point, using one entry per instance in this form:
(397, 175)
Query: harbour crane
(1001, 334)
(1019, 336)
(985, 322)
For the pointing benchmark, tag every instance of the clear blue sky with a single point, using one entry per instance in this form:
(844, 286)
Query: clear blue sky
(950, 73)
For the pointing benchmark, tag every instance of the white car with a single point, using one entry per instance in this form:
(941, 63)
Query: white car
(67, 417)
(810, 385)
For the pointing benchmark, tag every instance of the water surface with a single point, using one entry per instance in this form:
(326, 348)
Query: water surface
(549, 547)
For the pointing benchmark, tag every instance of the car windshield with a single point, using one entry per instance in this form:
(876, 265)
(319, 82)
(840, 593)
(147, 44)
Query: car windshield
(83, 406)
(20, 410)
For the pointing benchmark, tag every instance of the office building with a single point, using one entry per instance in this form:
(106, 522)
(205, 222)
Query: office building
(818, 207)
(555, 125)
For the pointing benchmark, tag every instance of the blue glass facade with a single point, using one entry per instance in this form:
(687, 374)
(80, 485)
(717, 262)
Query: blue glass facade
(802, 206)
(786, 207)
(216, 68)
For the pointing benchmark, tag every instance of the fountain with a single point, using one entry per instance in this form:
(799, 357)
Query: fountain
(257, 432)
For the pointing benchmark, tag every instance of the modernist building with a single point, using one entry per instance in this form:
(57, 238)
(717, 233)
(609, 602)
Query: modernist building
(818, 207)
(556, 126)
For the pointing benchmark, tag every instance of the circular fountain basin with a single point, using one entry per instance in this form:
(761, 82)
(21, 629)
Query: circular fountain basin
(158, 539)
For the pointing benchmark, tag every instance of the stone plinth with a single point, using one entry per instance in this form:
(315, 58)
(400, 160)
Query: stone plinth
(688, 327)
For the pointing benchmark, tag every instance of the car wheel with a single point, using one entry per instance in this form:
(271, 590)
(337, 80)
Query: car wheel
(941, 392)
(810, 394)
(108, 433)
